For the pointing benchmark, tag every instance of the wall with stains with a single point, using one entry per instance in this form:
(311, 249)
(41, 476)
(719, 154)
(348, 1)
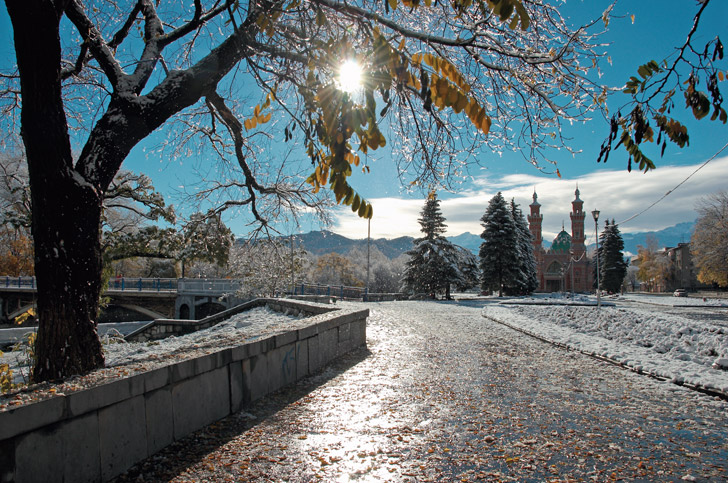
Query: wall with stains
(96, 434)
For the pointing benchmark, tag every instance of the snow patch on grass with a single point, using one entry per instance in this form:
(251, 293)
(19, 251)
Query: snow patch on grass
(680, 349)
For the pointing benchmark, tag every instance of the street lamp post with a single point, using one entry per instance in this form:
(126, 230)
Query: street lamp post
(571, 264)
(595, 214)
(369, 243)
(293, 269)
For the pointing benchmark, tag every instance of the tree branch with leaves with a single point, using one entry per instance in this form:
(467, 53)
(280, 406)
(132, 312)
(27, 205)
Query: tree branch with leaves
(442, 82)
(655, 91)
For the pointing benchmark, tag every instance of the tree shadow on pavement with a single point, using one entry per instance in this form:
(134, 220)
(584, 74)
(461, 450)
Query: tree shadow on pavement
(190, 450)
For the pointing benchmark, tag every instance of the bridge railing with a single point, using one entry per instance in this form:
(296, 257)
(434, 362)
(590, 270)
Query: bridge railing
(340, 291)
(212, 286)
(19, 282)
(121, 283)
(217, 286)
(140, 284)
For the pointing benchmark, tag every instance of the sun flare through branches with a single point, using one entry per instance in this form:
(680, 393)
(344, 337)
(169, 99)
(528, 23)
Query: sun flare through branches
(350, 76)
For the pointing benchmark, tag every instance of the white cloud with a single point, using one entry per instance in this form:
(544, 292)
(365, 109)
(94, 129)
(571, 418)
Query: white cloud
(393, 217)
(617, 194)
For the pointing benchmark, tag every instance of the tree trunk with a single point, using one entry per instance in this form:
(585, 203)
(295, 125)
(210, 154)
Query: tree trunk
(67, 199)
(66, 210)
(68, 271)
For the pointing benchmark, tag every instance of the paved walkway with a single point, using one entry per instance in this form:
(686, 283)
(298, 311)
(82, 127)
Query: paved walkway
(443, 394)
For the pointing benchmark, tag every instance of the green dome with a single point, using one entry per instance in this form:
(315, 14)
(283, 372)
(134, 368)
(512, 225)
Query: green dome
(562, 243)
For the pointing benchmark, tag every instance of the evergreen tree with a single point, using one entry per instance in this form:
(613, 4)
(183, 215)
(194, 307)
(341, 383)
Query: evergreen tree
(612, 266)
(527, 280)
(467, 264)
(432, 265)
(499, 254)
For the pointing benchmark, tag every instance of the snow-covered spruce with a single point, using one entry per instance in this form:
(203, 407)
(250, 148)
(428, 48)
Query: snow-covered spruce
(435, 264)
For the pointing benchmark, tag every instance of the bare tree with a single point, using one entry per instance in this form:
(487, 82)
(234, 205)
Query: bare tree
(14, 193)
(654, 266)
(106, 77)
(709, 243)
(267, 266)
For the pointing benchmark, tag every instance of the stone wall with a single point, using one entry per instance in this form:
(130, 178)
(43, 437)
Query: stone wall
(163, 328)
(96, 434)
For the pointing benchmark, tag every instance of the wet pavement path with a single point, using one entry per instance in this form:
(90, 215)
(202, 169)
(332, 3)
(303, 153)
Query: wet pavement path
(442, 394)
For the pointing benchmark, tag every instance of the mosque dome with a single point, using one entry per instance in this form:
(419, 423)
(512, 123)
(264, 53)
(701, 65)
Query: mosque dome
(562, 243)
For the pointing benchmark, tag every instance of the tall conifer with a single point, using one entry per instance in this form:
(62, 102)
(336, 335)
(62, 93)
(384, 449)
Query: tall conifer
(527, 280)
(612, 266)
(499, 258)
(433, 262)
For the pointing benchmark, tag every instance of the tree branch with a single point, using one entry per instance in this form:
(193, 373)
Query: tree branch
(122, 33)
(197, 20)
(94, 40)
(673, 68)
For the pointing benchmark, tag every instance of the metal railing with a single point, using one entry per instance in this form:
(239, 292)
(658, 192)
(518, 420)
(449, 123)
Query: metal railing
(212, 286)
(217, 286)
(340, 291)
(115, 284)
(140, 284)
(20, 282)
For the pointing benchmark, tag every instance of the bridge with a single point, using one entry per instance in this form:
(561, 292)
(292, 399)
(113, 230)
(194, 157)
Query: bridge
(135, 298)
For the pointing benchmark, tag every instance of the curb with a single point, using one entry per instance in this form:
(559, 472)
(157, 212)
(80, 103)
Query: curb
(685, 306)
(570, 304)
(694, 387)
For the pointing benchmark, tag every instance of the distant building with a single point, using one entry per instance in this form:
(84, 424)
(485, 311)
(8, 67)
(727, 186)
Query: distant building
(678, 270)
(682, 271)
(564, 266)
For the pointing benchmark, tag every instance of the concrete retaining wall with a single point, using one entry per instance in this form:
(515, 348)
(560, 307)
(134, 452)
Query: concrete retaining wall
(96, 434)
(385, 297)
(163, 328)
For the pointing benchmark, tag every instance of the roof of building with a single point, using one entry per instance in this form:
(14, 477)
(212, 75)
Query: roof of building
(562, 242)
(535, 200)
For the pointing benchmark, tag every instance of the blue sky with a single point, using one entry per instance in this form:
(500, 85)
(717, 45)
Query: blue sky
(658, 27)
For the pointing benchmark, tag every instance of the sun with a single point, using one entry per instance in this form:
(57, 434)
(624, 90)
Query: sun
(350, 76)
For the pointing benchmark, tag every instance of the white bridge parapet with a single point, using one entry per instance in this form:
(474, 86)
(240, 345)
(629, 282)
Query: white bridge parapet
(192, 293)
(208, 286)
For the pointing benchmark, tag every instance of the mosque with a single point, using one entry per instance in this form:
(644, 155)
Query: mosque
(564, 266)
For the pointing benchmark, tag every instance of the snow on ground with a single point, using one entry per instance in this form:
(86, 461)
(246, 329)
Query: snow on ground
(691, 301)
(555, 299)
(667, 345)
(244, 327)
(680, 349)
(247, 326)
(576, 299)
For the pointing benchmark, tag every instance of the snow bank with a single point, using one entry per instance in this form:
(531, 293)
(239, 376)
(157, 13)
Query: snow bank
(680, 349)
(676, 301)
(245, 326)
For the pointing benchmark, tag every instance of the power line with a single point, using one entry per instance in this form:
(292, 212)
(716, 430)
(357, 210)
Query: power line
(676, 187)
